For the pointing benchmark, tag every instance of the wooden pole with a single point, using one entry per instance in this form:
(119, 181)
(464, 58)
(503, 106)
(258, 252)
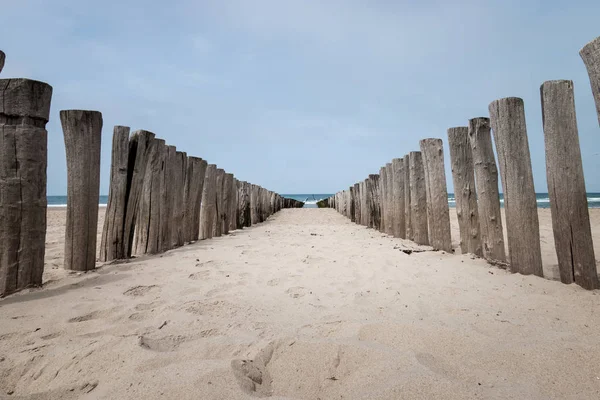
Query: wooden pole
(2, 59)
(398, 198)
(488, 196)
(179, 180)
(566, 186)
(140, 144)
(590, 54)
(368, 204)
(407, 199)
(389, 197)
(438, 213)
(233, 206)
(112, 243)
(83, 133)
(245, 209)
(227, 195)
(507, 118)
(375, 201)
(418, 199)
(193, 194)
(357, 203)
(24, 111)
(168, 189)
(382, 195)
(463, 176)
(208, 212)
(253, 204)
(217, 222)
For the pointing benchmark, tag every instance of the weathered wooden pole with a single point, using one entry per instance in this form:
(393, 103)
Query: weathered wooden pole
(418, 199)
(389, 199)
(168, 189)
(208, 212)
(438, 212)
(375, 201)
(357, 203)
(24, 111)
(566, 186)
(140, 144)
(83, 133)
(590, 53)
(352, 210)
(218, 221)
(244, 205)
(113, 241)
(367, 213)
(148, 221)
(193, 195)
(227, 200)
(382, 195)
(488, 196)
(407, 199)
(233, 206)
(463, 176)
(179, 203)
(398, 198)
(253, 204)
(2, 59)
(507, 118)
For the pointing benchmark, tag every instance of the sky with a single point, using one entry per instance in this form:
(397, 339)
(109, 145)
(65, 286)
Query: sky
(305, 96)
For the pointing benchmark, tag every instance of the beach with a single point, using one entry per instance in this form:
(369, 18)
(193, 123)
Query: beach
(306, 305)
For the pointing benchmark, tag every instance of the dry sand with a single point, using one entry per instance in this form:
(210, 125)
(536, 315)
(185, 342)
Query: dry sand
(305, 306)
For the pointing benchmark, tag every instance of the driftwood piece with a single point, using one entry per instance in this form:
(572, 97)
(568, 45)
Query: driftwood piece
(83, 134)
(407, 199)
(398, 198)
(193, 194)
(488, 196)
(24, 110)
(208, 213)
(507, 118)
(590, 54)
(463, 176)
(418, 199)
(112, 244)
(179, 180)
(566, 186)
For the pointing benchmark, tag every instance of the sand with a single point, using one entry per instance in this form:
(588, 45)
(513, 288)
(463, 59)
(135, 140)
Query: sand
(304, 306)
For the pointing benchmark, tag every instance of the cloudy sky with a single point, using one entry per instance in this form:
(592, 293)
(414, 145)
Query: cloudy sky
(300, 96)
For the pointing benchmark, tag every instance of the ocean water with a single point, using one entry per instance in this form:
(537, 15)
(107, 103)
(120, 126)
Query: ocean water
(310, 200)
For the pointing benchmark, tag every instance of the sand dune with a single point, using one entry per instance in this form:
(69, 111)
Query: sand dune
(307, 305)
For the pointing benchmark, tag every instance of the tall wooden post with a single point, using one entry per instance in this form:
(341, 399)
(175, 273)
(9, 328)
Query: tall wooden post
(253, 204)
(208, 212)
(590, 54)
(507, 117)
(179, 179)
(566, 186)
(375, 201)
(351, 196)
(193, 194)
(418, 199)
(463, 176)
(83, 133)
(217, 222)
(227, 195)
(24, 111)
(389, 196)
(382, 197)
(113, 241)
(168, 189)
(357, 203)
(244, 205)
(233, 205)
(407, 200)
(438, 213)
(140, 144)
(398, 198)
(488, 195)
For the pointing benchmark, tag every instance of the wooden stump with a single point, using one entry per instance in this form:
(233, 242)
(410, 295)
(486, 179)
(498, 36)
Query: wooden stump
(375, 201)
(83, 133)
(407, 199)
(398, 198)
(208, 213)
(148, 221)
(112, 245)
(507, 118)
(2, 59)
(438, 212)
(463, 176)
(193, 194)
(179, 203)
(590, 54)
(140, 144)
(227, 200)
(418, 199)
(24, 110)
(566, 186)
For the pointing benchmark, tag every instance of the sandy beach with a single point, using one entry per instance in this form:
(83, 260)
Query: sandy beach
(307, 305)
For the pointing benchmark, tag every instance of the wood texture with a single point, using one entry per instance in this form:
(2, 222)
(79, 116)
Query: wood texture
(566, 186)
(418, 199)
(2, 59)
(590, 54)
(83, 134)
(407, 199)
(227, 200)
(140, 144)
(389, 195)
(463, 176)
(244, 207)
(357, 203)
(374, 202)
(364, 207)
(24, 110)
(382, 195)
(507, 117)
(112, 244)
(194, 196)
(168, 189)
(208, 213)
(488, 196)
(233, 205)
(398, 198)
(217, 221)
(179, 179)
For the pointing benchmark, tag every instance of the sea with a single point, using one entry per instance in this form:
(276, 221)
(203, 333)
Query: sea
(310, 200)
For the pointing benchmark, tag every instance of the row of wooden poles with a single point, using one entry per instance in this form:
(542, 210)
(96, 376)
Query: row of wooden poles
(159, 198)
(408, 198)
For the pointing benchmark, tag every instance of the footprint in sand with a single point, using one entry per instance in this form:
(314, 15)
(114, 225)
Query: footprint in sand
(297, 291)
(139, 290)
(162, 344)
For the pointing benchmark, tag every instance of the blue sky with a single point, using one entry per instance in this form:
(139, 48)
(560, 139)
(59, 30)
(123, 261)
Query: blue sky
(300, 96)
